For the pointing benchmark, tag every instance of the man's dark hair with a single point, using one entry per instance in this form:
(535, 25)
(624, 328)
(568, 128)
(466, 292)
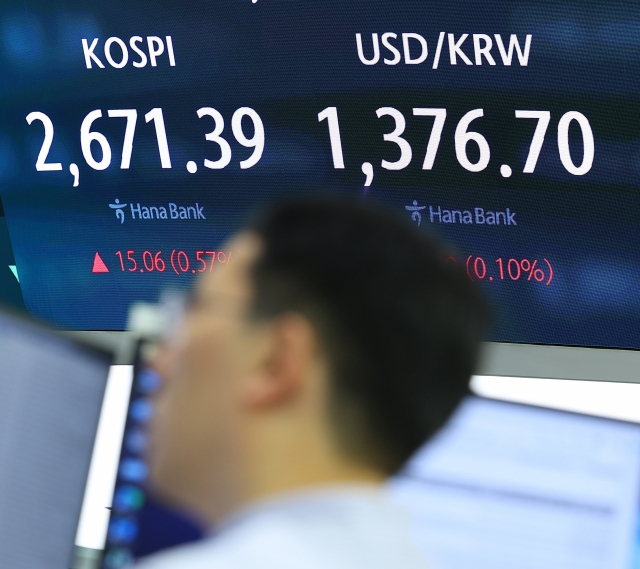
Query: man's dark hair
(401, 325)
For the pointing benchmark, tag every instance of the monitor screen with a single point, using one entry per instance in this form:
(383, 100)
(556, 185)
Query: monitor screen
(136, 137)
(51, 390)
(506, 485)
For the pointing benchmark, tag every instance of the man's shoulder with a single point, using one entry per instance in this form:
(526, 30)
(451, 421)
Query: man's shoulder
(341, 531)
(265, 547)
(287, 548)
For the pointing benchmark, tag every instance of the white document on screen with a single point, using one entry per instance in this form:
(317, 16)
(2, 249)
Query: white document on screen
(507, 486)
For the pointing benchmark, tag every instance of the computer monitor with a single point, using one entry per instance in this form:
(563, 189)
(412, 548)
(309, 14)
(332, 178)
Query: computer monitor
(120, 520)
(509, 485)
(93, 522)
(51, 392)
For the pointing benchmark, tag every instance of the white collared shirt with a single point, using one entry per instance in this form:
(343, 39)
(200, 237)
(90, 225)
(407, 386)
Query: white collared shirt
(347, 527)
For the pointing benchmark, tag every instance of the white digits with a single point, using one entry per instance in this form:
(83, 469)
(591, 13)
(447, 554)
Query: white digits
(462, 138)
(41, 162)
(436, 132)
(157, 117)
(330, 114)
(405, 148)
(214, 136)
(588, 146)
(538, 136)
(87, 137)
(257, 141)
(127, 148)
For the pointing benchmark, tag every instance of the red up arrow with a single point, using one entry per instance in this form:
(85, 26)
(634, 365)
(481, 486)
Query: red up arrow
(98, 265)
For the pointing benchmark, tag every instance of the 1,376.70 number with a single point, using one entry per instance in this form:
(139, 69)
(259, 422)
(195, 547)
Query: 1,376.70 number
(463, 136)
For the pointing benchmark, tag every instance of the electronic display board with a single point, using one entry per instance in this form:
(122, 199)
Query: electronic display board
(135, 137)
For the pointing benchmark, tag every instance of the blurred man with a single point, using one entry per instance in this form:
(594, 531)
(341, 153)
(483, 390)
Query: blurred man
(308, 370)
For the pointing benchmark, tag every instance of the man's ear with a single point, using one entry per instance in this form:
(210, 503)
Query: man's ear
(288, 357)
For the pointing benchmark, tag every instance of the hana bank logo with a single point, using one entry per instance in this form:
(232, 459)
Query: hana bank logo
(172, 211)
(119, 210)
